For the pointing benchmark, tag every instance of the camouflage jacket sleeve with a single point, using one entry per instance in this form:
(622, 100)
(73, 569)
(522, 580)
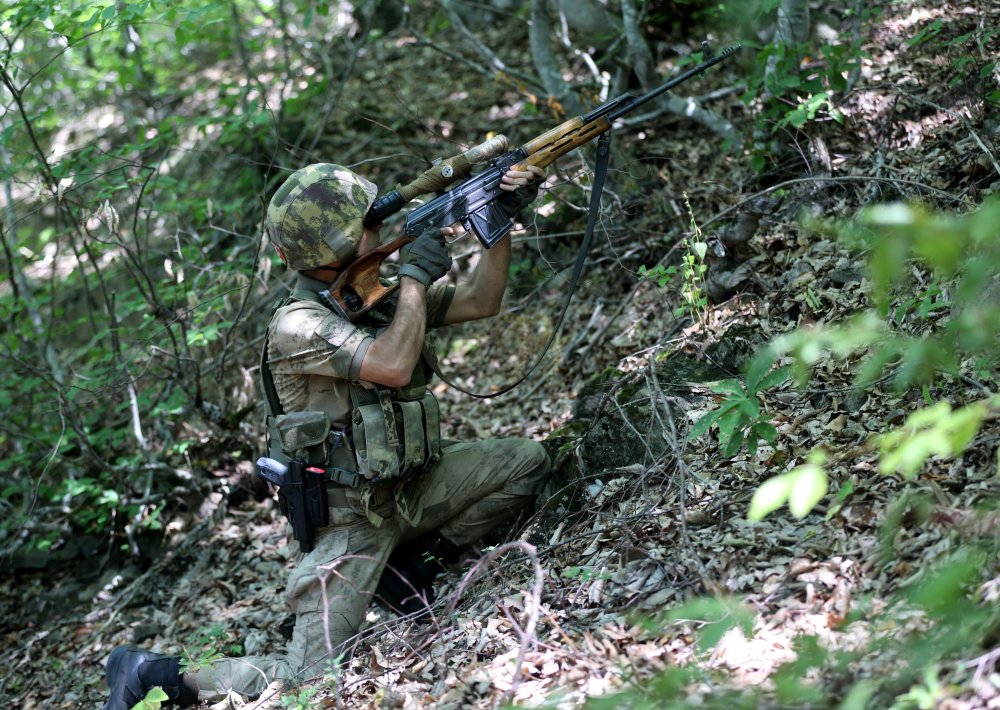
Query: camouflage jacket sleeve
(304, 338)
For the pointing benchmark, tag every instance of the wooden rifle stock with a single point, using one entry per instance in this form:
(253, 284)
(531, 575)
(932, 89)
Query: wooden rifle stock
(358, 289)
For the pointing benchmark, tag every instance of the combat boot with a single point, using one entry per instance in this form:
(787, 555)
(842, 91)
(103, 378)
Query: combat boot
(132, 672)
(407, 583)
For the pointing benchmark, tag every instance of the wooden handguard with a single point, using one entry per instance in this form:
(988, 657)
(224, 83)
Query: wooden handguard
(457, 167)
(358, 288)
(552, 145)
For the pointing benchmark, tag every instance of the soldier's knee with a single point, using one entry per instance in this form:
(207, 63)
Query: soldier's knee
(532, 464)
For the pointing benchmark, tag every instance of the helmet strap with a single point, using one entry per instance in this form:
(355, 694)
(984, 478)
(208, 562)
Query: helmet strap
(326, 274)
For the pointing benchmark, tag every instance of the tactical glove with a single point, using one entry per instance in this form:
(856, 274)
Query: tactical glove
(426, 258)
(516, 200)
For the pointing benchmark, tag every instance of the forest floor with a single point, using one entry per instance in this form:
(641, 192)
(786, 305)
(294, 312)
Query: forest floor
(637, 520)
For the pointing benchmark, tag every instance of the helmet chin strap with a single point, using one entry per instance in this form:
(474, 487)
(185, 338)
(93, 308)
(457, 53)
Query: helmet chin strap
(327, 274)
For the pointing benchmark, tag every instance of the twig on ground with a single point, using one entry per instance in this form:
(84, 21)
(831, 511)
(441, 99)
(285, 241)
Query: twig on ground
(532, 607)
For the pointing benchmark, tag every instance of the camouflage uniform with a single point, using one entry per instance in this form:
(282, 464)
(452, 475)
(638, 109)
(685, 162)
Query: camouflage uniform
(314, 356)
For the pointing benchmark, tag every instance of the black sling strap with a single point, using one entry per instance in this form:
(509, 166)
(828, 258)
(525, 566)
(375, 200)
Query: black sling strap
(274, 408)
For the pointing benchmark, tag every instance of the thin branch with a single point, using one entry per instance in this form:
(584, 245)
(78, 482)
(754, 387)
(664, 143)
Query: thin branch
(498, 64)
(638, 50)
(545, 63)
(526, 633)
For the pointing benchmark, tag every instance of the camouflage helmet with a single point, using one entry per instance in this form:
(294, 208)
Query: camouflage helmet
(317, 216)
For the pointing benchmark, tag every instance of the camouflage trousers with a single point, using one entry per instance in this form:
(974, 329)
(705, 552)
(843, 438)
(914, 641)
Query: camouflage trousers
(466, 494)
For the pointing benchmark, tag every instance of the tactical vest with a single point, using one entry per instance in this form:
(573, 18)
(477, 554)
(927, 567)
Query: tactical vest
(394, 432)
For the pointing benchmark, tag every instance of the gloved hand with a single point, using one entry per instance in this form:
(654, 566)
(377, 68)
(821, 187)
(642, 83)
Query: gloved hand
(426, 258)
(516, 200)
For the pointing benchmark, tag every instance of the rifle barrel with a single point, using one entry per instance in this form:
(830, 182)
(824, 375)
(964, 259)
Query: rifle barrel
(623, 108)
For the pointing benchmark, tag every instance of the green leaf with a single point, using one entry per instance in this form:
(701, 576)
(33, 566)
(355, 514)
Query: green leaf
(154, 697)
(703, 424)
(942, 592)
(758, 368)
(750, 408)
(769, 496)
(859, 696)
(801, 488)
(730, 423)
(809, 486)
(718, 615)
(766, 431)
(734, 444)
(729, 387)
(773, 379)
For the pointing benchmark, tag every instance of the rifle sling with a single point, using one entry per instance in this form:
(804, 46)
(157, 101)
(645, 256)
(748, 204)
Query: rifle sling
(600, 172)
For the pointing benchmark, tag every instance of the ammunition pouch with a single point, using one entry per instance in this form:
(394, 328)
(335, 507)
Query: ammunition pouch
(392, 438)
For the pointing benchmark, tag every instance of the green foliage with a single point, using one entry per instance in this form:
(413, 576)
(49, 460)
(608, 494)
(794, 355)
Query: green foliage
(660, 274)
(692, 272)
(130, 259)
(154, 698)
(956, 320)
(945, 597)
(302, 700)
(584, 574)
(740, 420)
(796, 83)
(922, 696)
(693, 269)
(808, 109)
(801, 488)
(790, 684)
(933, 431)
(206, 646)
(712, 618)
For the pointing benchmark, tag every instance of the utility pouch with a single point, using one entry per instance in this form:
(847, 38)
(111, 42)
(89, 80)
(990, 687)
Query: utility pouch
(393, 439)
(432, 426)
(376, 440)
(414, 438)
(305, 435)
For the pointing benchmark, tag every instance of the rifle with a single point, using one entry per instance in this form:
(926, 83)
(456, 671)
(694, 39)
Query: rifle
(473, 202)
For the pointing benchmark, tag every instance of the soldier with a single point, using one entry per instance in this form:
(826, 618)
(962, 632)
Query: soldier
(352, 399)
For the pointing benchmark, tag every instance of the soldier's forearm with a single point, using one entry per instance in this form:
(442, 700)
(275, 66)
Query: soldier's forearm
(481, 294)
(393, 355)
